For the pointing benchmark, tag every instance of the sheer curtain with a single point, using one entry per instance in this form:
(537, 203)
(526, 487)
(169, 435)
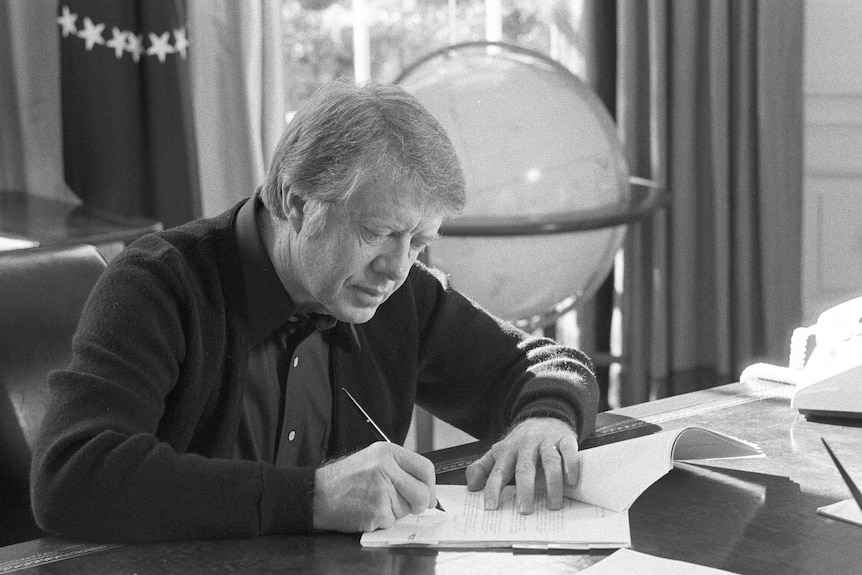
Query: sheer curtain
(237, 95)
(31, 153)
(709, 103)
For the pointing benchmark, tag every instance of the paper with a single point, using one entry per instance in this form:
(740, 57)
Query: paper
(595, 514)
(613, 476)
(466, 523)
(628, 562)
(847, 510)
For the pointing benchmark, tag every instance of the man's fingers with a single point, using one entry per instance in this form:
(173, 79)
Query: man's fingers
(404, 499)
(478, 471)
(500, 475)
(552, 463)
(571, 462)
(414, 480)
(525, 478)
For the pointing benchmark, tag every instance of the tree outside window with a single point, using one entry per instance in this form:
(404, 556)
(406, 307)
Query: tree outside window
(319, 34)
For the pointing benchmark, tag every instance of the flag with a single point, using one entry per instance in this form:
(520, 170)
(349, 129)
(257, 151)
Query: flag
(128, 145)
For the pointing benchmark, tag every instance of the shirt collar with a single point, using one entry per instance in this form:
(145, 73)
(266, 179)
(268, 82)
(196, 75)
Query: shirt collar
(267, 302)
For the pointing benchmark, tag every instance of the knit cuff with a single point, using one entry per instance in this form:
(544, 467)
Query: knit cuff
(551, 407)
(286, 504)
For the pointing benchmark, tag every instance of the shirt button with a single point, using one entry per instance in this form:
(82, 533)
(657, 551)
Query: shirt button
(291, 436)
(295, 361)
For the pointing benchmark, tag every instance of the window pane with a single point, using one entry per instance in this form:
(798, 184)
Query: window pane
(318, 35)
(403, 31)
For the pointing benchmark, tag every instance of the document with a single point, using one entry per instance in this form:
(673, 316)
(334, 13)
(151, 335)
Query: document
(595, 512)
(466, 523)
(628, 562)
(847, 510)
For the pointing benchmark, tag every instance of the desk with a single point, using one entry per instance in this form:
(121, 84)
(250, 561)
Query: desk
(46, 222)
(754, 516)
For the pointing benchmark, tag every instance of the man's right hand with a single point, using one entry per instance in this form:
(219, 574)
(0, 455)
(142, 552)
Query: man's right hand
(372, 488)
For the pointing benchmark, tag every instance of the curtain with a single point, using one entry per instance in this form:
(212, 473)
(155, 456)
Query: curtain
(237, 93)
(166, 126)
(31, 154)
(709, 104)
(128, 141)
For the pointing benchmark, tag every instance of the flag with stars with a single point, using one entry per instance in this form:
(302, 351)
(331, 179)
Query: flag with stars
(128, 140)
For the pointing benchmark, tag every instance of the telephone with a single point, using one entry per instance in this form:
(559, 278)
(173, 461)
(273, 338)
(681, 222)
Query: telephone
(829, 382)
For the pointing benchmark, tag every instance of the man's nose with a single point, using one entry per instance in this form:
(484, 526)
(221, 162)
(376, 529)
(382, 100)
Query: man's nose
(395, 261)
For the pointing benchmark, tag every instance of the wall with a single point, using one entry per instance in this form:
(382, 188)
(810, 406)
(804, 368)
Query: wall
(832, 232)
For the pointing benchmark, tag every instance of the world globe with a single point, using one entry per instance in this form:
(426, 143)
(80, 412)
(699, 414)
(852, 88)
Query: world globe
(539, 151)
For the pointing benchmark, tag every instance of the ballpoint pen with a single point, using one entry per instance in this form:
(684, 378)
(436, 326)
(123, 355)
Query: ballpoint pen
(377, 429)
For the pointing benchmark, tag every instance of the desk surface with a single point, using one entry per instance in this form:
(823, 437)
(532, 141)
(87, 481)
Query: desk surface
(48, 222)
(753, 516)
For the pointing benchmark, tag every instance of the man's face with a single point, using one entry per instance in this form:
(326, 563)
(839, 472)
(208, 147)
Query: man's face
(362, 253)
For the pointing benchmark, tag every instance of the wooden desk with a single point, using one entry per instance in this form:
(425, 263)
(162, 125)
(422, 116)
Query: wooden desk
(754, 516)
(51, 222)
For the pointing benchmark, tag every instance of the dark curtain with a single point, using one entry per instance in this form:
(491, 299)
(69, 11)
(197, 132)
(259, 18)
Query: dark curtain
(598, 44)
(708, 99)
(128, 140)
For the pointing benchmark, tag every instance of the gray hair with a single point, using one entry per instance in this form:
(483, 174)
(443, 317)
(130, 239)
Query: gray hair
(346, 134)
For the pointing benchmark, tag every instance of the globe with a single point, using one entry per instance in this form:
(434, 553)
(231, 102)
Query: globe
(535, 143)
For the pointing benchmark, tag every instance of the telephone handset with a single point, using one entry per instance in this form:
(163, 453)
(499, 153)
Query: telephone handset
(829, 382)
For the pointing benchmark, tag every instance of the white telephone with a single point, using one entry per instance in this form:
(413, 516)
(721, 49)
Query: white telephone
(829, 383)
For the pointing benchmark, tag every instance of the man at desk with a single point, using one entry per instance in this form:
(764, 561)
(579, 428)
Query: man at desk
(204, 396)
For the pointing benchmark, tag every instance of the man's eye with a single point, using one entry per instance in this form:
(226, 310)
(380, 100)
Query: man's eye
(372, 236)
(418, 246)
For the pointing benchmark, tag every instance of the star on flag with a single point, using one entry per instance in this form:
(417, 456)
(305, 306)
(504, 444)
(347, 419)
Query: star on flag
(135, 45)
(92, 34)
(117, 42)
(160, 46)
(181, 43)
(67, 22)
(124, 41)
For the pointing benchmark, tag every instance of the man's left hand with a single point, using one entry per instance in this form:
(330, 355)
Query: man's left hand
(536, 445)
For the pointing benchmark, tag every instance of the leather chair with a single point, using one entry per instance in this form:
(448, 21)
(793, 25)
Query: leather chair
(42, 293)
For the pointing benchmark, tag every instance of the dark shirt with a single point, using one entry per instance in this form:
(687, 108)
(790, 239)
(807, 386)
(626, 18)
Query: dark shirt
(287, 406)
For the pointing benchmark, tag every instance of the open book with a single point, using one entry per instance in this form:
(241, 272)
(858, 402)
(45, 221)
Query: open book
(595, 512)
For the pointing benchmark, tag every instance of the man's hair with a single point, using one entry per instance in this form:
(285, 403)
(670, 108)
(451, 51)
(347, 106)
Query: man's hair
(346, 134)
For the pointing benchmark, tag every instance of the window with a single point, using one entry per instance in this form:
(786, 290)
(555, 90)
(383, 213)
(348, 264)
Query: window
(377, 39)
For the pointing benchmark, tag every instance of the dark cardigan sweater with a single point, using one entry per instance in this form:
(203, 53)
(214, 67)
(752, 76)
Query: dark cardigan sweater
(138, 440)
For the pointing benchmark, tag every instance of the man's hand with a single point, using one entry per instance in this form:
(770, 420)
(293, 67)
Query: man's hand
(548, 442)
(372, 488)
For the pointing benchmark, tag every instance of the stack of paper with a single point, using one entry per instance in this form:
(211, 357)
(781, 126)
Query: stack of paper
(595, 512)
(465, 523)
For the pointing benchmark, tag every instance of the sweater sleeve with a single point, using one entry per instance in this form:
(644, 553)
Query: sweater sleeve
(483, 375)
(133, 446)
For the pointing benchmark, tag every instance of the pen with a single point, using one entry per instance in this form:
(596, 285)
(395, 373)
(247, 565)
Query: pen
(377, 429)
(844, 475)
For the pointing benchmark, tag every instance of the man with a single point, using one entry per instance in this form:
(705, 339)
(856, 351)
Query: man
(204, 397)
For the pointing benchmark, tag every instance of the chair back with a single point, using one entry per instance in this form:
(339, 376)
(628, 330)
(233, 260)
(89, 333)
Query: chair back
(42, 293)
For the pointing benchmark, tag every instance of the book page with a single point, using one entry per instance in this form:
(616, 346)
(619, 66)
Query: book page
(466, 523)
(613, 476)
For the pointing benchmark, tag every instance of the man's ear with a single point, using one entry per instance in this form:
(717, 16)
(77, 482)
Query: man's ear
(293, 205)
